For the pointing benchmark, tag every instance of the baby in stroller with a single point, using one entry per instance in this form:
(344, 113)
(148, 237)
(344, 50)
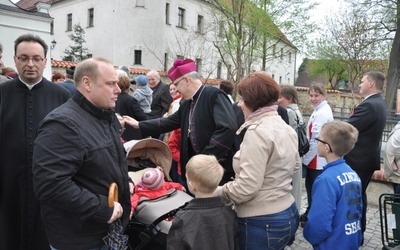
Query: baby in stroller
(152, 186)
(152, 214)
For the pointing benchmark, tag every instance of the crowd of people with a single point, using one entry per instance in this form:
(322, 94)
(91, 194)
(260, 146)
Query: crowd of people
(239, 160)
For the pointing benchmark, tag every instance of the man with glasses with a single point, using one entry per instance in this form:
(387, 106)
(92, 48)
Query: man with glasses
(24, 102)
(207, 121)
(335, 214)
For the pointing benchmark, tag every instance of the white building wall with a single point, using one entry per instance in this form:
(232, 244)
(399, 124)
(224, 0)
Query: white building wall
(15, 22)
(121, 27)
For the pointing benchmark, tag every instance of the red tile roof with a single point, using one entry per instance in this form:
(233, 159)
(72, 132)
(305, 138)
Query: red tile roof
(29, 5)
(62, 64)
(133, 71)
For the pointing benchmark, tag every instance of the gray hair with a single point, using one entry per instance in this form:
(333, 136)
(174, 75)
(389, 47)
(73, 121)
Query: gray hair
(124, 68)
(154, 73)
(193, 75)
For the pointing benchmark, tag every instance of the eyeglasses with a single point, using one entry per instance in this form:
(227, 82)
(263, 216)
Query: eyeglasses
(324, 142)
(176, 84)
(26, 59)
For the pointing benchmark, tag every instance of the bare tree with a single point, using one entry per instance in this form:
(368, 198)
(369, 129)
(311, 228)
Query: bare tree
(350, 39)
(189, 43)
(384, 15)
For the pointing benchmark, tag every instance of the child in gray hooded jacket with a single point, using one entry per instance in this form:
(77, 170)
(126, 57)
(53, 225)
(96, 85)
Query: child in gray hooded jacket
(143, 93)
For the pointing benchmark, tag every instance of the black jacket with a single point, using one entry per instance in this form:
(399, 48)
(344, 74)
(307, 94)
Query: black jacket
(78, 154)
(128, 105)
(21, 110)
(205, 223)
(369, 119)
(212, 132)
(161, 100)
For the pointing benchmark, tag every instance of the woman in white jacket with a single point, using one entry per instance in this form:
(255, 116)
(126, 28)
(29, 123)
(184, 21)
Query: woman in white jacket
(322, 114)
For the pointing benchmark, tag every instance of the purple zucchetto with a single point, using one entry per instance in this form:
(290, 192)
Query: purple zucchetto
(180, 68)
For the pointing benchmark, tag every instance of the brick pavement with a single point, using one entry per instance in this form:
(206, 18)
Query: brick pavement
(372, 235)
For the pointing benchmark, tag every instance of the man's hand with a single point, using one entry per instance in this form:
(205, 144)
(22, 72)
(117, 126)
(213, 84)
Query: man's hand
(117, 212)
(131, 121)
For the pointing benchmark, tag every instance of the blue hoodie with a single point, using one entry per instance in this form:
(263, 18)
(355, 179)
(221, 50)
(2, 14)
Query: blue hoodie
(144, 95)
(334, 220)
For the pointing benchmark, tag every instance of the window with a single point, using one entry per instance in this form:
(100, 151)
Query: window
(219, 69)
(288, 80)
(138, 57)
(181, 17)
(52, 27)
(199, 66)
(90, 17)
(290, 57)
(281, 53)
(165, 61)
(200, 24)
(69, 22)
(280, 80)
(179, 57)
(273, 76)
(167, 13)
(139, 3)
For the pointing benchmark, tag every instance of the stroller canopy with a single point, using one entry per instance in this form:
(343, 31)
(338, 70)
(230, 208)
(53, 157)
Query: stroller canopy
(150, 149)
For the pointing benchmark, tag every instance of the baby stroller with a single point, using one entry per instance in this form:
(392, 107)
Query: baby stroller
(152, 219)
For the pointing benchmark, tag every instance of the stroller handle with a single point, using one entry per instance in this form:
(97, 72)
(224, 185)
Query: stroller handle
(112, 194)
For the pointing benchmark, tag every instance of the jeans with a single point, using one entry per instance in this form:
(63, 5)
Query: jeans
(272, 231)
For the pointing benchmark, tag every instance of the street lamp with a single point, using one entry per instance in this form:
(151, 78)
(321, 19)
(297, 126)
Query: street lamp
(52, 46)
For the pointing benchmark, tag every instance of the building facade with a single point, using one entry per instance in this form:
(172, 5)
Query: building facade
(15, 21)
(151, 34)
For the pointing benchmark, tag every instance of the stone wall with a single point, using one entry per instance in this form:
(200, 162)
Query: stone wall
(341, 103)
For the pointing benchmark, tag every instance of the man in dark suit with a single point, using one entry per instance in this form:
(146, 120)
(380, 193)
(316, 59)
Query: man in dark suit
(161, 96)
(369, 118)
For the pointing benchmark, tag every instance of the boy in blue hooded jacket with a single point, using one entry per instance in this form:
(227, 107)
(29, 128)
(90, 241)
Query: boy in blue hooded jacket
(335, 214)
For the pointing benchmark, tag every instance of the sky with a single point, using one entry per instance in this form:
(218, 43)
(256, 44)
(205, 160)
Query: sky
(325, 8)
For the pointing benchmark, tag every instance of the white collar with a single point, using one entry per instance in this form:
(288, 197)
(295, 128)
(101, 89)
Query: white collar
(30, 86)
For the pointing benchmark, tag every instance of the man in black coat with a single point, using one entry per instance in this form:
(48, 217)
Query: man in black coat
(24, 102)
(161, 96)
(370, 119)
(207, 121)
(78, 154)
